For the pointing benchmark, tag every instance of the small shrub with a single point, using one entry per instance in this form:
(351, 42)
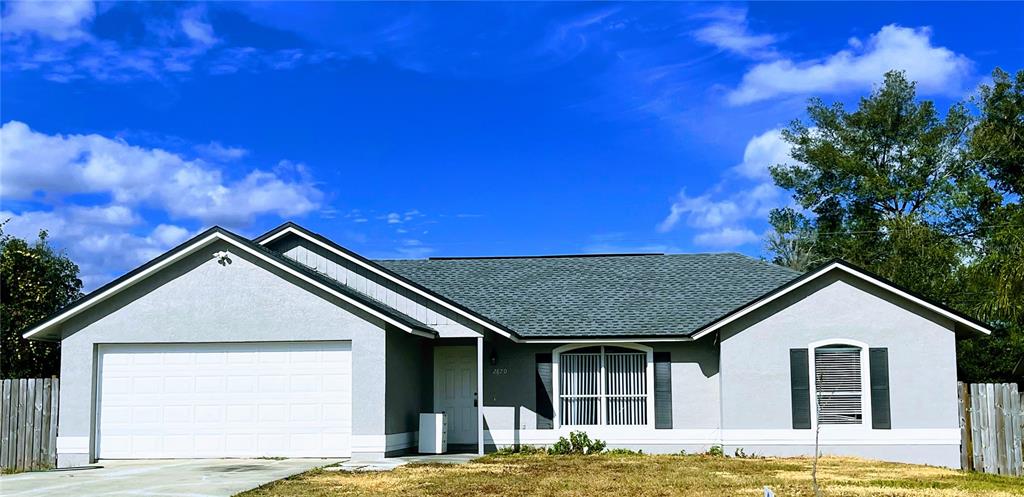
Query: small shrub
(742, 454)
(715, 451)
(624, 452)
(508, 450)
(682, 452)
(525, 450)
(578, 443)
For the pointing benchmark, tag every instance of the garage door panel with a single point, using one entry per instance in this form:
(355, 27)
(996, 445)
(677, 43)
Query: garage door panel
(225, 400)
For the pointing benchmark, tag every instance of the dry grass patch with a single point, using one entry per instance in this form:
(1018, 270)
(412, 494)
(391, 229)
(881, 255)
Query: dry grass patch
(692, 476)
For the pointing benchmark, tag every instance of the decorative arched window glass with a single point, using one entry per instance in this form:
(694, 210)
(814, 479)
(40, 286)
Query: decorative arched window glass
(839, 385)
(604, 385)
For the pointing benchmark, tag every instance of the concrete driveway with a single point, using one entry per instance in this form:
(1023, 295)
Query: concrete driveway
(167, 478)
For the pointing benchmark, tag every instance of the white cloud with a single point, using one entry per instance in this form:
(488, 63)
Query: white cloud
(51, 173)
(58, 21)
(710, 211)
(729, 30)
(216, 151)
(763, 151)
(56, 166)
(726, 237)
(195, 27)
(412, 248)
(57, 40)
(720, 216)
(936, 69)
(103, 240)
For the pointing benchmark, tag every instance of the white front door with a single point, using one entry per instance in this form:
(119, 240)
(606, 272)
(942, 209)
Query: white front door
(455, 391)
(194, 400)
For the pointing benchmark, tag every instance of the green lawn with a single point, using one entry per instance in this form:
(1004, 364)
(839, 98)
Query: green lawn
(695, 476)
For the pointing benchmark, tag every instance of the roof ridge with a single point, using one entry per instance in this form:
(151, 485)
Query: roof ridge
(550, 256)
(579, 256)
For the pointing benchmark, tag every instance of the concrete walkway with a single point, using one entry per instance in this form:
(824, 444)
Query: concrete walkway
(159, 478)
(394, 462)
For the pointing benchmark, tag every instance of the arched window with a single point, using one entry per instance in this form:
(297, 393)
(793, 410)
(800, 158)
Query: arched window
(604, 385)
(839, 377)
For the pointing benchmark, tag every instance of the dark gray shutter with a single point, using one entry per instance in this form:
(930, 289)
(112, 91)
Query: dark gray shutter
(878, 360)
(545, 410)
(663, 390)
(800, 389)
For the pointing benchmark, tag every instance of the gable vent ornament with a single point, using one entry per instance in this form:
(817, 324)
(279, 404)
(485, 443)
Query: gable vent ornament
(223, 257)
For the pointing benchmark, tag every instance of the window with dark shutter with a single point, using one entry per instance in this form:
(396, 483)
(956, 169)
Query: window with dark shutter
(663, 390)
(544, 391)
(837, 371)
(878, 365)
(800, 389)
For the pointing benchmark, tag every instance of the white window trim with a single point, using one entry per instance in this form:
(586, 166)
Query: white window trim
(865, 386)
(555, 380)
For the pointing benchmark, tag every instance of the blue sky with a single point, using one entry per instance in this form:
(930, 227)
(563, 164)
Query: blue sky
(414, 130)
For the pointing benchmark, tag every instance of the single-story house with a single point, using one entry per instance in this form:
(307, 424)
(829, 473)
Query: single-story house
(291, 345)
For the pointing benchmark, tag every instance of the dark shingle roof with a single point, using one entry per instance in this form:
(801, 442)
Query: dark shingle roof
(614, 295)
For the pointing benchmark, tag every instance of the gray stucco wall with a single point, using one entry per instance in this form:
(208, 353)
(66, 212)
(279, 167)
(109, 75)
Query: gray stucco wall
(410, 387)
(510, 389)
(199, 300)
(922, 361)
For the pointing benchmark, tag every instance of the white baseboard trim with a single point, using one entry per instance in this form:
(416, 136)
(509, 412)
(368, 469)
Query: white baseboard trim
(72, 445)
(384, 443)
(400, 441)
(647, 436)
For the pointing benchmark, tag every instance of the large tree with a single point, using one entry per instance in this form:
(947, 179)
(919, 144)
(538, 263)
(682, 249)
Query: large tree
(883, 185)
(35, 281)
(994, 287)
(931, 202)
(997, 147)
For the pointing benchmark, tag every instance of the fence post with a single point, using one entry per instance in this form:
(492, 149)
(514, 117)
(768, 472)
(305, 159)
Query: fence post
(37, 424)
(1013, 423)
(54, 418)
(976, 431)
(5, 423)
(964, 397)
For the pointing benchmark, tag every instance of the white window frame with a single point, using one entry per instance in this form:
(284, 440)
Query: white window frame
(556, 377)
(865, 385)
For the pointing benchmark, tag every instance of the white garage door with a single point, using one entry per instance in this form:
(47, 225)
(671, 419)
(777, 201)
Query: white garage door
(288, 399)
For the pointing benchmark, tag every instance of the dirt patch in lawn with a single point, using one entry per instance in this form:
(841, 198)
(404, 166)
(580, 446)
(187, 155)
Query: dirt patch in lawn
(694, 476)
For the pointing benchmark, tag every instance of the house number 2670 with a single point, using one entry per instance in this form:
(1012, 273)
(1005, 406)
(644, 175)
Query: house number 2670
(499, 371)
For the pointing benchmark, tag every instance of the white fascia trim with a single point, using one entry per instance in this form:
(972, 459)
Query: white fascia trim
(379, 272)
(606, 340)
(192, 249)
(835, 265)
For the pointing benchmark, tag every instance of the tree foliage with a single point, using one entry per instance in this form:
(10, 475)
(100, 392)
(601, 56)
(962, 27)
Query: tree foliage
(929, 201)
(35, 281)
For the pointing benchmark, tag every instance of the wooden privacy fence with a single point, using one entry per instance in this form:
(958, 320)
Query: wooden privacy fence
(28, 423)
(991, 423)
